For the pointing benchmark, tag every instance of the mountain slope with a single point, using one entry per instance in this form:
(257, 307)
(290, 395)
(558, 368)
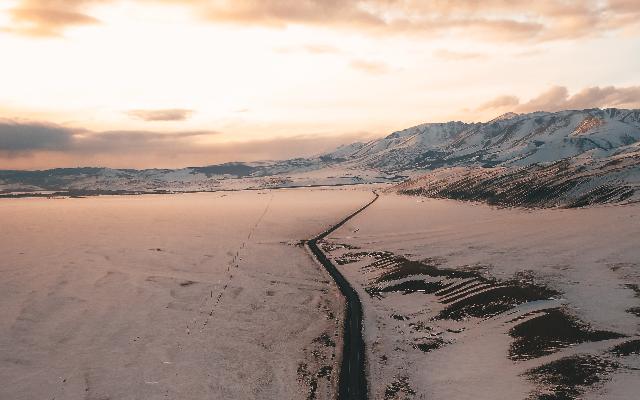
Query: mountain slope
(568, 158)
(572, 182)
(510, 140)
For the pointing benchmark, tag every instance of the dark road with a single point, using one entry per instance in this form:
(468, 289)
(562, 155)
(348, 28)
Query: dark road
(352, 383)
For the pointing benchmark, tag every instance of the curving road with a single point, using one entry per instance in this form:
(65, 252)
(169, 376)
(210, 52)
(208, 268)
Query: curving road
(352, 383)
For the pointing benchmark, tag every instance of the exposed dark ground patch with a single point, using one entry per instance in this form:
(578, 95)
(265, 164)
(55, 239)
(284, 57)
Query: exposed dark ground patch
(329, 247)
(420, 326)
(382, 258)
(634, 310)
(350, 257)
(466, 291)
(413, 286)
(454, 288)
(470, 292)
(569, 377)
(428, 344)
(324, 372)
(627, 348)
(403, 268)
(551, 331)
(634, 287)
(495, 300)
(315, 377)
(399, 389)
(307, 378)
(325, 340)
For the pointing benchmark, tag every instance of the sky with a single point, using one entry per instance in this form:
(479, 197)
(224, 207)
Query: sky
(174, 83)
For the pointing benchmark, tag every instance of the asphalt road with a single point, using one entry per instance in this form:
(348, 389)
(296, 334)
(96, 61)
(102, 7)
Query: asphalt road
(352, 383)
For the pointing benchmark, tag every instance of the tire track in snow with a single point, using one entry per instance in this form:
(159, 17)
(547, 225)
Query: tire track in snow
(232, 264)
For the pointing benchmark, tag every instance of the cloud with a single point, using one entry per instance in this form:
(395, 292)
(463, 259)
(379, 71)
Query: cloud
(48, 18)
(499, 102)
(552, 100)
(558, 98)
(310, 48)
(282, 148)
(24, 137)
(285, 12)
(371, 67)
(495, 20)
(457, 56)
(317, 48)
(133, 141)
(171, 114)
(609, 96)
(19, 138)
(37, 145)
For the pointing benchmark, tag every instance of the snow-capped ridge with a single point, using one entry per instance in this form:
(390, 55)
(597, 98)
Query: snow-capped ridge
(505, 116)
(510, 139)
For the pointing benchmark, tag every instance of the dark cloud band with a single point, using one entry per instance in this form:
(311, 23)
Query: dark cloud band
(24, 137)
(27, 145)
(28, 137)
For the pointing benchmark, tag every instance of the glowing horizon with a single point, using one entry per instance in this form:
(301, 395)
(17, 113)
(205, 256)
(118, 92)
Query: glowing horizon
(246, 80)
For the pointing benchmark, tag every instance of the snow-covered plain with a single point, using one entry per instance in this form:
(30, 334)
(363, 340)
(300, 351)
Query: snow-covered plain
(426, 270)
(210, 295)
(188, 296)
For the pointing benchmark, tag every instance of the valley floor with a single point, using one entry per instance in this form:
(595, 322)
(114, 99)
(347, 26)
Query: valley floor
(466, 301)
(211, 295)
(169, 296)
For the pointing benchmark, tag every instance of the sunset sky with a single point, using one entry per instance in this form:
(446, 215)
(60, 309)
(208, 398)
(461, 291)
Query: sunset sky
(172, 83)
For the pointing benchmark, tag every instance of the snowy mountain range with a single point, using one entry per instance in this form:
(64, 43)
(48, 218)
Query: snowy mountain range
(509, 140)
(596, 147)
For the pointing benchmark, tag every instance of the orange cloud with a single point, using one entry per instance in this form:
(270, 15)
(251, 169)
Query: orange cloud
(20, 137)
(48, 18)
(371, 67)
(557, 98)
(499, 102)
(609, 96)
(172, 114)
(457, 56)
(494, 20)
(311, 48)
